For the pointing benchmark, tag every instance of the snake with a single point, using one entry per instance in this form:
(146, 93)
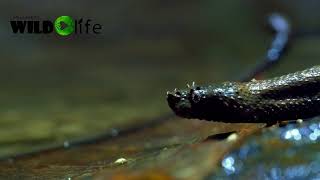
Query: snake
(287, 97)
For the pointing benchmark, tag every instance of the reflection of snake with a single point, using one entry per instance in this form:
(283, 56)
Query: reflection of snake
(288, 97)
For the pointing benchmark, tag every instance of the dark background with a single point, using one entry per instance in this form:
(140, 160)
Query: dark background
(59, 88)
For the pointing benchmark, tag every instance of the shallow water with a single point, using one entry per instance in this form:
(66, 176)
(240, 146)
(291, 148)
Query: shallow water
(290, 152)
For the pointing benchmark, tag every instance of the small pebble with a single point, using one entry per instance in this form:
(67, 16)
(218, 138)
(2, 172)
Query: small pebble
(299, 121)
(232, 137)
(253, 80)
(121, 161)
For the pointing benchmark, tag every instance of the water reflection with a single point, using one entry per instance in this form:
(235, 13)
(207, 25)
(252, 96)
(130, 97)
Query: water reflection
(290, 152)
(228, 164)
(293, 134)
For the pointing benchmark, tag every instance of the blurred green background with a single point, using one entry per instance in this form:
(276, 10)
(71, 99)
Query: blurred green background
(56, 88)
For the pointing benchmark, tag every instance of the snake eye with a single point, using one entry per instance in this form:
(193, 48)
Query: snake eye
(195, 96)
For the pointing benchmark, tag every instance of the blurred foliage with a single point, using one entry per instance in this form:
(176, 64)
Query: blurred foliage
(55, 89)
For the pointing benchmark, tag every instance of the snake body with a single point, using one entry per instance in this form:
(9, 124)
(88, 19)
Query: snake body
(288, 97)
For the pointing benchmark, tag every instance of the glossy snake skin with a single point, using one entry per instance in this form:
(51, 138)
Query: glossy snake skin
(287, 97)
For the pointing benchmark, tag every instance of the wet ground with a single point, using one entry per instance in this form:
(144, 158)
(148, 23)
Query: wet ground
(290, 152)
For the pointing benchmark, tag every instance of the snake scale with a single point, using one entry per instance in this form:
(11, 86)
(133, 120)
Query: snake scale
(288, 97)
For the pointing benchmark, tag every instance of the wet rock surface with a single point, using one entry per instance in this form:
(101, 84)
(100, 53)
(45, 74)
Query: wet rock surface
(289, 152)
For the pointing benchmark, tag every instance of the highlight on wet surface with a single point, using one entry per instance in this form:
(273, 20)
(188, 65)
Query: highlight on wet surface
(290, 152)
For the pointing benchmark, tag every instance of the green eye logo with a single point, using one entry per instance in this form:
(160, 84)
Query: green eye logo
(64, 25)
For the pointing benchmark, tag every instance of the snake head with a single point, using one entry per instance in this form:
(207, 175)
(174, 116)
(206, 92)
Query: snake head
(179, 102)
(208, 102)
(185, 102)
